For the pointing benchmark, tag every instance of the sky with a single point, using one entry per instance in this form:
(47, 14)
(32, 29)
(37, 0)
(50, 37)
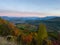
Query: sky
(30, 8)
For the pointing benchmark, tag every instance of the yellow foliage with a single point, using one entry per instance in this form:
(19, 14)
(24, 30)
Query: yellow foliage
(42, 34)
(49, 42)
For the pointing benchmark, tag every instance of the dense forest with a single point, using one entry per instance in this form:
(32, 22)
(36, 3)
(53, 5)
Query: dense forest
(45, 33)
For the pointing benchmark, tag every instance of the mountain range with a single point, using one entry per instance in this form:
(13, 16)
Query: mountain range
(27, 18)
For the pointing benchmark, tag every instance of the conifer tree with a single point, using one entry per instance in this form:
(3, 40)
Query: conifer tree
(42, 33)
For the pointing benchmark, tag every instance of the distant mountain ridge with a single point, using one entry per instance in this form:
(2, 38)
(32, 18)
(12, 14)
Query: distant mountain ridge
(27, 18)
(55, 19)
(30, 20)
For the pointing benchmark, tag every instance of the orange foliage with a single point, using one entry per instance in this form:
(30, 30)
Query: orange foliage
(27, 38)
(11, 25)
(16, 31)
(3, 21)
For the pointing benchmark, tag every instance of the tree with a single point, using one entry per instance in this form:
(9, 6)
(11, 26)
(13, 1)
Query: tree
(42, 33)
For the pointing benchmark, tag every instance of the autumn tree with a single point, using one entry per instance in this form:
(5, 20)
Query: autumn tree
(42, 33)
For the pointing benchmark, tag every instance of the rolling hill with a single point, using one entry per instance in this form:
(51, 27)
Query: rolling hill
(52, 23)
(7, 28)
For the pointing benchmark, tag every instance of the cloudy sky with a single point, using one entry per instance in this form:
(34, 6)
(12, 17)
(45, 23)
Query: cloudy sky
(31, 8)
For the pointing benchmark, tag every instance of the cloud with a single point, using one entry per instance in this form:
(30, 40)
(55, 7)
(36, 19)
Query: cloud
(25, 14)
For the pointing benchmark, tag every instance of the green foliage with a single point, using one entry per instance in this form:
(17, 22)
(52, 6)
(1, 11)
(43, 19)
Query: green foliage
(4, 30)
(53, 34)
(30, 28)
(20, 26)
